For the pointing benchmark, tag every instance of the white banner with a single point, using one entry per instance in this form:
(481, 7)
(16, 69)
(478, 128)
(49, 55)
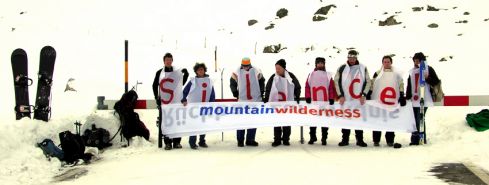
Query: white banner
(199, 118)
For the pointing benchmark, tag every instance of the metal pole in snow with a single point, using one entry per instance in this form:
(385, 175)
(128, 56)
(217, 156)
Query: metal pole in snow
(126, 66)
(215, 59)
(222, 97)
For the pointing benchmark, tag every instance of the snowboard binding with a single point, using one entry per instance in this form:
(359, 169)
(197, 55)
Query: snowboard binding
(24, 108)
(22, 81)
(23, 111)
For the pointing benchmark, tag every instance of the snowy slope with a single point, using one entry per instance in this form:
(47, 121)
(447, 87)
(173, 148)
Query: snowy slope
(89, 36)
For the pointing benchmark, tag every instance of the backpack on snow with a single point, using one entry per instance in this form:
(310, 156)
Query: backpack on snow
(126, 103)
(73, 146)
(97, 137)
(131, 125)
(50, 149)
(437, 92)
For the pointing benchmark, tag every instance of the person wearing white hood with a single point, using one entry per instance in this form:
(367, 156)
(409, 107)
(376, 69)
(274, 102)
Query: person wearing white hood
(387, 89)
(352, 82)
(282, 86)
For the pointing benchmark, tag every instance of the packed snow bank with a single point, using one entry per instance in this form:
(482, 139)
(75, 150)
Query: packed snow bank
(450, 140)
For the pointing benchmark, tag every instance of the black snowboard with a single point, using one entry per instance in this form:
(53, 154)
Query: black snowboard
(42, 109)
(21, 84)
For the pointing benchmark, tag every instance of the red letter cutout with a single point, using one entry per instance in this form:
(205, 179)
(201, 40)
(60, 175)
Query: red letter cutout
(315, 91)
(416, 81)
(283, 96)
(248, 87)
(204, 92)
(169, 91)
(352, 94)
(388, 93)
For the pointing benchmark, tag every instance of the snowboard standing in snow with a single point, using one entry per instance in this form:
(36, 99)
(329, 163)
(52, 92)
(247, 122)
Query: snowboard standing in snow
(158, 124)
(42, 109)
(21, 84)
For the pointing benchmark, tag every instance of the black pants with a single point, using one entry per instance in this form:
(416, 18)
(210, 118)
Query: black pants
(346, 134)
(324, 133)
(389, 136)
(193, 139)
(250, 135)
(173, 141)
(417, 118)
(281, 133)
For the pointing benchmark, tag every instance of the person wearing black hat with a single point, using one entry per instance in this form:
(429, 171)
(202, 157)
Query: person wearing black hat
(282, 86)
(412, 93)
(387, 80)
(248, 85)
(319, 88)
(171, 93)
(352, 82)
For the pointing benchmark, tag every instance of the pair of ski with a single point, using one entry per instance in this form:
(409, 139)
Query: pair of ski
(42, 108)
(422, 85)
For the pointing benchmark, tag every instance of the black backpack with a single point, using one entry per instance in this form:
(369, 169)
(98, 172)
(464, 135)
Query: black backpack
(131, 125)
(126, 103)
(73, 146)
(97, 137)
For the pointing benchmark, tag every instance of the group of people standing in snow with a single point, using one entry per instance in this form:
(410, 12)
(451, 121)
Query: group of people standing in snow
(351, 82)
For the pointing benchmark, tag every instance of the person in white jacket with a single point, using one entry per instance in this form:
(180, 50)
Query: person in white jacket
(352, 83)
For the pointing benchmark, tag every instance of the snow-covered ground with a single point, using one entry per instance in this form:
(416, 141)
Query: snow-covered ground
(451, 140)
(89, 38)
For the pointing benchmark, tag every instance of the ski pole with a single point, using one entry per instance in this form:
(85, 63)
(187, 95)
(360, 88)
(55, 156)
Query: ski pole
(222, 97)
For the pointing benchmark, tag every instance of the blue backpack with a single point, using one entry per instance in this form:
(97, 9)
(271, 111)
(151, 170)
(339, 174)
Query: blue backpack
(50, 149)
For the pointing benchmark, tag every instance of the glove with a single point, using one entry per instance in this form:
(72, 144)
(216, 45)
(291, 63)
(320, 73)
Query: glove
(184, 70)
(331, 101)
(369, 95)
(235, 94)
(308, 100)
(158, 102)
(402, 100)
